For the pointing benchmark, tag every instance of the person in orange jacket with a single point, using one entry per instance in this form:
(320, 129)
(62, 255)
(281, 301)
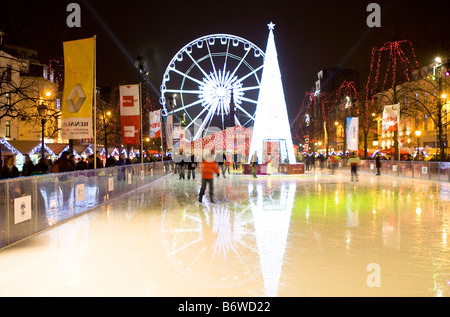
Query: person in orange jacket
(208, 167)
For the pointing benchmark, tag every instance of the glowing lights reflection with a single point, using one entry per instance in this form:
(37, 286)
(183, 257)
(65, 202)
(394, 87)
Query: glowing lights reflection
(249, 238)
(418, 211)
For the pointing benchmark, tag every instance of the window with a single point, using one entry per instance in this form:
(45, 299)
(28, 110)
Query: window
(8, 129)
(8, 99)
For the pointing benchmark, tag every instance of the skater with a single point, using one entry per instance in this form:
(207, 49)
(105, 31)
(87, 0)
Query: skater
(307, 162)
(209, 167)
(269, 164)
(254, 163)
(321, 160)
(354, 162)
(221, 159)
(235, 160)
(181, 165)
(333, 163)
(228, 162)
(378, 164)
(191, 166)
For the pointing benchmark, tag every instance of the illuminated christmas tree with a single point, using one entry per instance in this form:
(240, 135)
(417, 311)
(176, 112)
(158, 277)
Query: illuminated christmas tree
(271, 117)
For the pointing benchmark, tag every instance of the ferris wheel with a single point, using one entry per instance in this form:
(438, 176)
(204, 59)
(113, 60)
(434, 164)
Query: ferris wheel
(208, 74)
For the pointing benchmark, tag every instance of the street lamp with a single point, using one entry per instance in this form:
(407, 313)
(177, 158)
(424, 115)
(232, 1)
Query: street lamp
(42, 110)
(418, 133)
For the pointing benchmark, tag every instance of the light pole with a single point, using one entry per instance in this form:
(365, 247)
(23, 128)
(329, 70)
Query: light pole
(418, 133)
(438, 67)
(106, 123)
(42, 110)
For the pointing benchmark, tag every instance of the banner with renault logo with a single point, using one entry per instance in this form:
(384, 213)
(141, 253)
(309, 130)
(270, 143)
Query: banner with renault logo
(130, 110)
(76, 110)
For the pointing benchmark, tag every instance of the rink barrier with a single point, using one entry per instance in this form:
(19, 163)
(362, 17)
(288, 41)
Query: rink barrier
(435, 171)
(30, 205)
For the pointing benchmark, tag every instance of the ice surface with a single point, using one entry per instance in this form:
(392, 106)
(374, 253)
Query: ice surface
(308, 235)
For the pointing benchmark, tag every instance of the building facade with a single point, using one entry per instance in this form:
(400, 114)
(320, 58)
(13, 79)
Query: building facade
(26, 84)
(424, 112)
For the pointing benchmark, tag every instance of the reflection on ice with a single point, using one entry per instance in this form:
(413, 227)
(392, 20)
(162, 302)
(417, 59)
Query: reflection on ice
(231, 243)
(309, 235)
(272, 214)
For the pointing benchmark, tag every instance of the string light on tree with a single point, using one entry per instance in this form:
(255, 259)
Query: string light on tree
(271, 117)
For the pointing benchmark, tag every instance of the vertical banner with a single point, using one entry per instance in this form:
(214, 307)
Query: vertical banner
(325, 133)
(155, 124)
(76, 109)
(176, 135)
(130, 110)
(182, 137)
(391, 118)
(352, 134)
(168, 123)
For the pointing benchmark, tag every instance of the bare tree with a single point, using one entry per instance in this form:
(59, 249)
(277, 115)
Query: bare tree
(428, 99)
(20, 96)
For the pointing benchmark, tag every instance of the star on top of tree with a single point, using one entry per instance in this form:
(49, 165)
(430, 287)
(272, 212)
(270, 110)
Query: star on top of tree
(271, 26)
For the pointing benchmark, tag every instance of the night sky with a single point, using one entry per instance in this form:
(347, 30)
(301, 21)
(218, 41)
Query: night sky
(310, 35)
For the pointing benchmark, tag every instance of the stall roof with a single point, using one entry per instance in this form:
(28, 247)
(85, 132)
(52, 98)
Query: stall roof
(26, 147)
(80, 149)
(57, 148)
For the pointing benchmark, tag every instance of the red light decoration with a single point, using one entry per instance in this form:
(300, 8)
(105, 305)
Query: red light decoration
(391, 65)
(390, 59)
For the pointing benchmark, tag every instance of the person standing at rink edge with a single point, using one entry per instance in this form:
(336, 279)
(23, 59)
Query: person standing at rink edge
(191, 166)
(354, 162)
(208, 168)
(378, 164)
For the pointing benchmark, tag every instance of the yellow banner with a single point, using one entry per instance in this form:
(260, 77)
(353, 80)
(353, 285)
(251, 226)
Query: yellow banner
(76, 110)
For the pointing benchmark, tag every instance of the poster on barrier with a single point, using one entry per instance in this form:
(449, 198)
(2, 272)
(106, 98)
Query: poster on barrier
(80, 192)
(22, 209)
(110, 184)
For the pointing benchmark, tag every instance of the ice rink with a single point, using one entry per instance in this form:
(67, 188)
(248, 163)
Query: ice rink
(278, 235)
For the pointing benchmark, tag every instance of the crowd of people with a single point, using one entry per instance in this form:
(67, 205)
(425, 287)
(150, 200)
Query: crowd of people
(190, 162)
(65, 163)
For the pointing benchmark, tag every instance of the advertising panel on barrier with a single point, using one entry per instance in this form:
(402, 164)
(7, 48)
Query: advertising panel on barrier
(22, 209)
